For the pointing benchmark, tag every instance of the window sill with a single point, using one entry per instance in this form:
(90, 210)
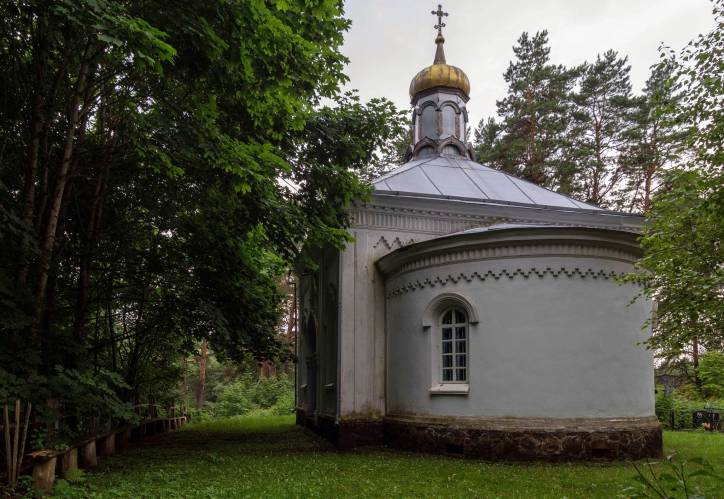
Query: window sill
(450, 389)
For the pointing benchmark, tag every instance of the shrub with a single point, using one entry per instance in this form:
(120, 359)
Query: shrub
(675, 410)
(265, 396)
(711, 372)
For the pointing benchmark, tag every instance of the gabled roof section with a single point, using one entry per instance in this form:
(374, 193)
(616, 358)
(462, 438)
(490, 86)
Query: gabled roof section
(459, 178)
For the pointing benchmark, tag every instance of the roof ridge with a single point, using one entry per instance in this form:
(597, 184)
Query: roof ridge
(401, 169)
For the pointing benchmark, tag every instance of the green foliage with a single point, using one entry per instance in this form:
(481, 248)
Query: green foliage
(529, 138)
(683, 265)
(580, 130)
(711, 372)
(162, 165)
(683, 261)
(677, 480)
(24, 487)
(264, 396)
(602, 122)
(67, 486)
(675, 408)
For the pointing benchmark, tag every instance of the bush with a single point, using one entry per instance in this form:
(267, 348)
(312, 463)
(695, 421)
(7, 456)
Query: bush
(675, 409)
(246, 396)
(711, 372)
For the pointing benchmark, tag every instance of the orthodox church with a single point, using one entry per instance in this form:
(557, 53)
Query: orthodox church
(475, 313)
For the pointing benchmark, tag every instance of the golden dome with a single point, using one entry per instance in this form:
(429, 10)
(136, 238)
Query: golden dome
(440, 74)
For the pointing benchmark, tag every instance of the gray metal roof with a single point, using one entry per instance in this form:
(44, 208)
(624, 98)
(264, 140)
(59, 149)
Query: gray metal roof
(458, 177)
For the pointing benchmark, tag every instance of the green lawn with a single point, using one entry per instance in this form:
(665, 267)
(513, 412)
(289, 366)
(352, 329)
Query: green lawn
(270, 457)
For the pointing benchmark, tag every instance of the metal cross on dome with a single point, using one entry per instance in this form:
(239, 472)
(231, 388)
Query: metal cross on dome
(440, 14)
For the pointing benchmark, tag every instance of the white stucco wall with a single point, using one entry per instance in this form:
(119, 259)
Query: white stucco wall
(380, 228)
(544, 346)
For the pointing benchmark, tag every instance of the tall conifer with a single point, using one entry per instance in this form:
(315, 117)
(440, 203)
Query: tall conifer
(657, 139)
(601, 127)
(533, 115)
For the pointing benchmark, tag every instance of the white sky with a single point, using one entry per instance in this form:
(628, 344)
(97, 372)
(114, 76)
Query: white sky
(391, 40)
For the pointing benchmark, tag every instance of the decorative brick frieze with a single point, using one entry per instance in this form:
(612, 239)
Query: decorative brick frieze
(396, 243)
(496, 275)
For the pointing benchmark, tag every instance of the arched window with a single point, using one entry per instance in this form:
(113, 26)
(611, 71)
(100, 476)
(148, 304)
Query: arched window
(448, 121)
(454, 327)
(452, 150)
(429, 123)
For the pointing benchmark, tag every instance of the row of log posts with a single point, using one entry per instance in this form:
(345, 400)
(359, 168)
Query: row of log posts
(15, 450)
(47, 464)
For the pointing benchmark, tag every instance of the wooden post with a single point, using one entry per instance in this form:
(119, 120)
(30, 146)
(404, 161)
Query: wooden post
(44, 475)
(107, 445)
(122, 438)
(16, 442)
(68, 462)
(8, 451)
(88, 458)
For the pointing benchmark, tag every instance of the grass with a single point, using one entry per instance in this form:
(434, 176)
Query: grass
(270, 457)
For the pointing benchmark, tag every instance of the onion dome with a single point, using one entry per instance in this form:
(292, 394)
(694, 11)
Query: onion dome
(440, 74)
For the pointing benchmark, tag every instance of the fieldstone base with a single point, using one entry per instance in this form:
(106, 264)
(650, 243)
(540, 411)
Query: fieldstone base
(498, 438)
(527, 438)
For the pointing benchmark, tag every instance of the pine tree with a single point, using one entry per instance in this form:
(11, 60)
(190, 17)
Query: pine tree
(601, 128)
(657, 139)
(533, 115)
(487, 135)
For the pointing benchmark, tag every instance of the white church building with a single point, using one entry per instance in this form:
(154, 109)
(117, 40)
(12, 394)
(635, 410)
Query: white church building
(475, 313)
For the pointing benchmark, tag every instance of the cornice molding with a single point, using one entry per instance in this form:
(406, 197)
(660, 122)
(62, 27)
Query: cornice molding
(537, 250)
(512, 242)
(441, 221)
(421, 221)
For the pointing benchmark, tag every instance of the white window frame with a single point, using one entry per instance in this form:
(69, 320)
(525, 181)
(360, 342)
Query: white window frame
(431, 323)
(450, 336)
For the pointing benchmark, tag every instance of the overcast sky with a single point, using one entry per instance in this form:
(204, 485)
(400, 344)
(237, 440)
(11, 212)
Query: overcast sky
(391, 40)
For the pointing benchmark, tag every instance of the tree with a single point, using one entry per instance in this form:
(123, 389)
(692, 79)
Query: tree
(711, 372)
(601, 127)
(162, 167)
(533, 116)
(656, 139)
(487, 135)
(684, 255)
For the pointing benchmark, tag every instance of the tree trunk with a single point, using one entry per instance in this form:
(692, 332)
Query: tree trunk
(36, 130)
(695, 360)
(91, 238)
(201, 390)
(56, 200)
(648, 181)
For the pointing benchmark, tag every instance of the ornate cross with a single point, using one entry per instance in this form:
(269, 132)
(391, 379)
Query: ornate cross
(440, 14)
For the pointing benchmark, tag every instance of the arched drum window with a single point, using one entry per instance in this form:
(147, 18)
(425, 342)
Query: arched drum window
(429, 123)
(454, 325)
(448, 121)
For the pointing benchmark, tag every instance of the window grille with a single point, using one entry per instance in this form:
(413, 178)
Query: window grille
(454, 346)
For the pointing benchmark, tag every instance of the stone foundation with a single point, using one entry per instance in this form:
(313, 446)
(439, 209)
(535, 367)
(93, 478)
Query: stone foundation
(499, 438)
(345, 435)
(527, 438)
